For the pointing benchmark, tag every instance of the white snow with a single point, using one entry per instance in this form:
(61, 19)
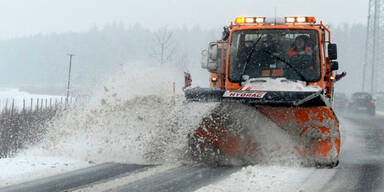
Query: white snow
(141, 174)
(24, 168)
(133, 118)
(9, 95)
(278, 84)
(262, 178)
(278, 178)
(381, 113)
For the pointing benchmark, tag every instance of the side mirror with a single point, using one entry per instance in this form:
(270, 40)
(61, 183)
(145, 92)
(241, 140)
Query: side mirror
(213, 49)
(212, 67)
(332, 51)
(334, 65)
(204, 59)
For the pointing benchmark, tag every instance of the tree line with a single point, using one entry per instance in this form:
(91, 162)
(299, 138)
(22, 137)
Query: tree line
(41, 60)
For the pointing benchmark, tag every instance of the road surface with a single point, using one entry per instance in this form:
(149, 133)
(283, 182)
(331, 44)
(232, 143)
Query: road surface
(361, 169)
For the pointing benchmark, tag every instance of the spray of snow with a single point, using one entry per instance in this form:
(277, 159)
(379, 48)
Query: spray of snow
(133, 118)
(275, 146)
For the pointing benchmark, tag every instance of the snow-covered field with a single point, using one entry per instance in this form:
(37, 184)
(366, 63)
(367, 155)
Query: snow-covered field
(9, 95)
(26, 167)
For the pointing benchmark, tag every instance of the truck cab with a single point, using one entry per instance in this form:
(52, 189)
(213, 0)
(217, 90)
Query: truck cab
(279, 68)
(295, 49)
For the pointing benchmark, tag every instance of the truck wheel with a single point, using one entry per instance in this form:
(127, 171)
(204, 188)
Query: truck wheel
(327, 165)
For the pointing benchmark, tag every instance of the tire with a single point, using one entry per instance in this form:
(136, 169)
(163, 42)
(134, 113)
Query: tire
(327, 165)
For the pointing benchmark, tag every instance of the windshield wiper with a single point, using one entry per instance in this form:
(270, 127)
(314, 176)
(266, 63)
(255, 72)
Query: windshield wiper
(250, 55)
(288, 64)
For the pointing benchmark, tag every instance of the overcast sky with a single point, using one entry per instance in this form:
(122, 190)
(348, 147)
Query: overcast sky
(27, 17)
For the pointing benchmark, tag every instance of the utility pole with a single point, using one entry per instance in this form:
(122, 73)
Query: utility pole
(69, 77)
(374, 48)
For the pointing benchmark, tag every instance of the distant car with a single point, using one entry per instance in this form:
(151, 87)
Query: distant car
(362, 101)
(340, 101)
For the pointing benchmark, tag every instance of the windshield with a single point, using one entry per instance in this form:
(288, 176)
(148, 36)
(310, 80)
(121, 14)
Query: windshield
(292, 54)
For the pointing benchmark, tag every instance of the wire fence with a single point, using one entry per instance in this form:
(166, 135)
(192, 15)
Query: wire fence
(24, 121)
(33, 103)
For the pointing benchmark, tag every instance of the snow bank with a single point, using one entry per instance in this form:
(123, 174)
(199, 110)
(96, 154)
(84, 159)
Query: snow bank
(262, 179)
(25, 168)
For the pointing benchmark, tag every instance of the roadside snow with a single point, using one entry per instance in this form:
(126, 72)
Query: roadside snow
(24, 168)
(262, 178)
(27, 167)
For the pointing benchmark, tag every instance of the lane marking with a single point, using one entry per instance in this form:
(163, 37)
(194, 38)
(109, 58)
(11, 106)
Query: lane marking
(185, 179)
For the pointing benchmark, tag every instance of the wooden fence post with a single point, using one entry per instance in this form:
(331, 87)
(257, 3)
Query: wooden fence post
(6, 106)
(37, 104)
(12, 107)
(23, 104)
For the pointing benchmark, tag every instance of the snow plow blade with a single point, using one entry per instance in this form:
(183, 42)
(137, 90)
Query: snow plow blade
(234, 129)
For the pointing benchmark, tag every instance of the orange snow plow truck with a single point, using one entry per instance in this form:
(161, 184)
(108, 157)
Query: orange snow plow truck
(268, 72)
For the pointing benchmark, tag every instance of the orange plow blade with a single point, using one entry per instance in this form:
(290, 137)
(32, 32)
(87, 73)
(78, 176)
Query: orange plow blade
(316, 127)
(245, 132)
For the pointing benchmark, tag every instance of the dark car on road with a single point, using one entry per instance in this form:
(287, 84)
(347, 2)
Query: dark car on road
(340, 101)
(362, 101)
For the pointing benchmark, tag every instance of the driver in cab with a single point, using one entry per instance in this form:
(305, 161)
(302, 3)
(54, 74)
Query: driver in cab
(300, 56)
(300, 47)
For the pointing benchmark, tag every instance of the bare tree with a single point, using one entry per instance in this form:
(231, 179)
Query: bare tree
(182, 60)
(163, 47)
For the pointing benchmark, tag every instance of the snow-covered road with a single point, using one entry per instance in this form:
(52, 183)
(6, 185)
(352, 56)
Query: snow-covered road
(360, 169)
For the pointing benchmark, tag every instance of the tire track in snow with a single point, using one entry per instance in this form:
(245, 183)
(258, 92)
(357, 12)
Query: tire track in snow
(362, 166)
(74, 179)
(371, 171)
(185, 179)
